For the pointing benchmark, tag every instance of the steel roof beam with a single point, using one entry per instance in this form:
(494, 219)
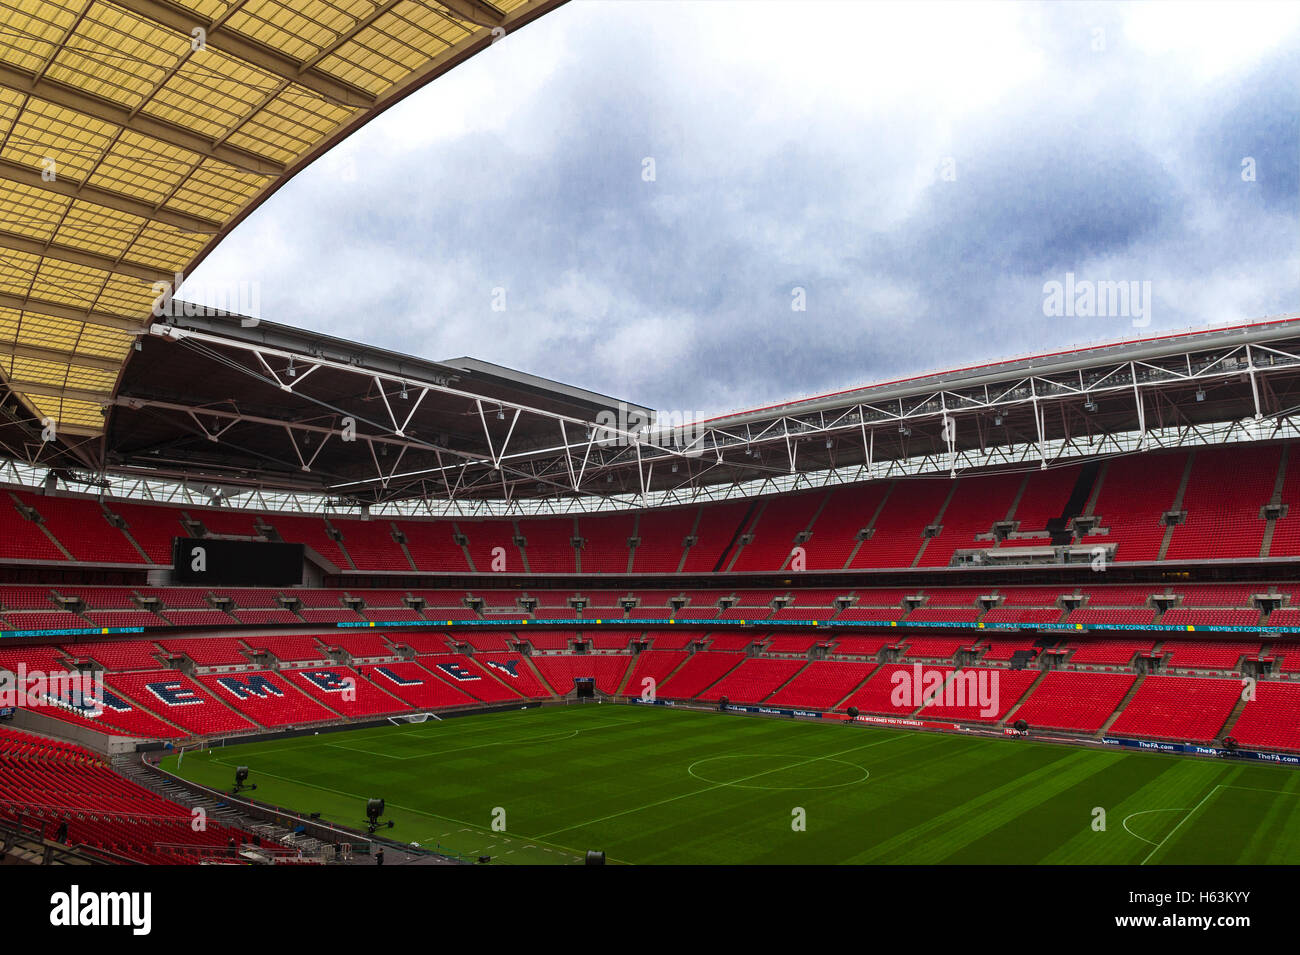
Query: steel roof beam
(475, 11)
(40, 353)
(183, 222)
(90, 260)
(58, 391)
(96, 107)
(38, 306)
(227, 40)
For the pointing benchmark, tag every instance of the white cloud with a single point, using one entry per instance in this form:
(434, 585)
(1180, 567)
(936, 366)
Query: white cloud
(1207, 40)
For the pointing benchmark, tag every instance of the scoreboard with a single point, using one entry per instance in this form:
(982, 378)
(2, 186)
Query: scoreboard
(197, 560)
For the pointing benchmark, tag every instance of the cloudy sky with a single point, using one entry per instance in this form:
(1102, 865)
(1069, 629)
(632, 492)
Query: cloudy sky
(920, 171)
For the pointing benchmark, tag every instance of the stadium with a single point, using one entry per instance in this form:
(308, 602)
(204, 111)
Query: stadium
(335, 601)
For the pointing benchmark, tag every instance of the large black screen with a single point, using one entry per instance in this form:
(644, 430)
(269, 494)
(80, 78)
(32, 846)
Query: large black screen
(236, 563)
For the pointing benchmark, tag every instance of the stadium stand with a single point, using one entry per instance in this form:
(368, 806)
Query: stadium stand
(1077, 701)
(1178, 708)
(82, 527)
(288, 649)
(414, 685)
(898, 532)
(1135, 493)
(662, 537)
(654, 665)
(605, 539)
(208, 651)
(344, 691)
(975, 505)
(466, 675)
(51, 782)
(875, 695)
(774, 531)
(716, 536)
(753, 680)
(1230, 524)
(1272, 719)
(184, 702)
(432, 546)
(267, 698)
(372, 545)
(822, 684)
(560, 672)
(848, 512)
(979, 695)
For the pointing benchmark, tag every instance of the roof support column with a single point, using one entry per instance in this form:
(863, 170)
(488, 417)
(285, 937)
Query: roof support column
(1254, 381)
(1141, 411)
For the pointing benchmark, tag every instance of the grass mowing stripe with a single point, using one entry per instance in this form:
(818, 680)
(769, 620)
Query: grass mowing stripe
(940, 834)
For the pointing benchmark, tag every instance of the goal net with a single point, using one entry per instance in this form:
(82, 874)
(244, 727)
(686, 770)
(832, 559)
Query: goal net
(411, 718)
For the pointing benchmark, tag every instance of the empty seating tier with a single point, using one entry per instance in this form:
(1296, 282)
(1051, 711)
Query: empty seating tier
(1181, 708)
(1076, 701)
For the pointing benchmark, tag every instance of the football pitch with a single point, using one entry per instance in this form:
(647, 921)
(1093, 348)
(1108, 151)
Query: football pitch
(660, 785)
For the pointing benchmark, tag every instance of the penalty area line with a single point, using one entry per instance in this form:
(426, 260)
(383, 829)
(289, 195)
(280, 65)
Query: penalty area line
(1181, 822)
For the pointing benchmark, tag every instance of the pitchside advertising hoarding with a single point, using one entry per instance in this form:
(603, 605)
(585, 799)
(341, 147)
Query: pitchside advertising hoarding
(1195, 749)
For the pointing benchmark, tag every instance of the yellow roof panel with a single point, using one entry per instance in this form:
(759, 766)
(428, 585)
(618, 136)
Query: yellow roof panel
(161, 245)
(57, 141)
(301, 30)
(116, 55)
(33, 32)
(28, 211)
(17, 269)
(130, 145)
(100, 230)
(66, 283)
(125, 295)
(217, 190)
(10, 321)
(143, 168)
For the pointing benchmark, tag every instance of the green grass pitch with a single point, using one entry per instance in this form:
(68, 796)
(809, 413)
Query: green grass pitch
(662, 785)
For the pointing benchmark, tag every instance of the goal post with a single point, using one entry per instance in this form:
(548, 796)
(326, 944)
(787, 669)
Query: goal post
(412, 718)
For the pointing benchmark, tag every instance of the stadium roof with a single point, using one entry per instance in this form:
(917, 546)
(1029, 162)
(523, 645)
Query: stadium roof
(135, 134)
(272, 406)
(1153, 348)
(239, 404)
